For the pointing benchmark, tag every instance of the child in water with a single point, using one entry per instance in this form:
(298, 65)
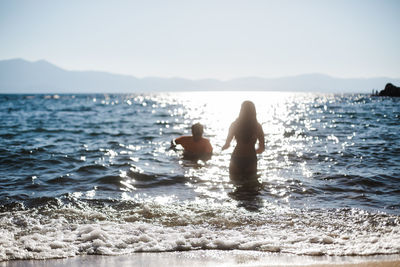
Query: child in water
(195, 146)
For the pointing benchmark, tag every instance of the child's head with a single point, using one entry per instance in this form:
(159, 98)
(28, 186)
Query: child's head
(197, 130)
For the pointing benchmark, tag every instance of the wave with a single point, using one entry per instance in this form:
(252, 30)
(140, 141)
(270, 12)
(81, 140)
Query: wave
(67, 227)
(92, 168)
(142, 180)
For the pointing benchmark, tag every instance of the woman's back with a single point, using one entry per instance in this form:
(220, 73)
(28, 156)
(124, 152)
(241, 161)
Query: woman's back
(246, 138)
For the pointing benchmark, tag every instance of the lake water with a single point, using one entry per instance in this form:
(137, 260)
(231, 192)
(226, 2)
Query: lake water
(93, 174)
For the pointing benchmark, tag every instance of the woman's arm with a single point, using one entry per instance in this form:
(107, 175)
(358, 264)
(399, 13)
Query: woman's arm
(228, 138)
(261, 140)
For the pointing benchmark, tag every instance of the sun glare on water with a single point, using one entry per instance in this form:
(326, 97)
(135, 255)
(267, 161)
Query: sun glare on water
(278, 114)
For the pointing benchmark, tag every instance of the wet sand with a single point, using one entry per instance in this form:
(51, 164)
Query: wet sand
(211, 258)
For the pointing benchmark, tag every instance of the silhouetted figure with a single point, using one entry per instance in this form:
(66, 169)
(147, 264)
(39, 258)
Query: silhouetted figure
(195, 146)
(246, 130)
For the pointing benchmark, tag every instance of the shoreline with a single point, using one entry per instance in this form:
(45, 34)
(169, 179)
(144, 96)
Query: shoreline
(203, 258)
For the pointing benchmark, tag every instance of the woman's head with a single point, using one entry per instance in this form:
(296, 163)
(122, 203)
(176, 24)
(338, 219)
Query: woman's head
(246, 124)
(248, 111)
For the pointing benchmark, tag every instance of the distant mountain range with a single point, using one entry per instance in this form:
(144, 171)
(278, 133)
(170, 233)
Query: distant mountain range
(21, 76)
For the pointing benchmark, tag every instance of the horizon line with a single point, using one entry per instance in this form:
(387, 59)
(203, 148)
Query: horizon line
(201, 79)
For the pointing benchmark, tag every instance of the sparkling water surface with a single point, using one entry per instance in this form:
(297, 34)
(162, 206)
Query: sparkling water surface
(93, 174)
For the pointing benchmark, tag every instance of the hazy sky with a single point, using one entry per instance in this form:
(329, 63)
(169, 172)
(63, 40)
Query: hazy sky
(207, 38)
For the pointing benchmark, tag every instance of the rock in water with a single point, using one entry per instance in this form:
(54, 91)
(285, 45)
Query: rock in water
(390, 90)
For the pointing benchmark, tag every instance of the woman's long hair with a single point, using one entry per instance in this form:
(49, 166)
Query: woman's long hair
(246, 123)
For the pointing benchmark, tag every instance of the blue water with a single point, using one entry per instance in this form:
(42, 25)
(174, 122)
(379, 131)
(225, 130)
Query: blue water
(93, 174)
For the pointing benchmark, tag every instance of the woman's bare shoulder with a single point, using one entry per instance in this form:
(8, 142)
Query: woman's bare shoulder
(259, 127)
(233, 125)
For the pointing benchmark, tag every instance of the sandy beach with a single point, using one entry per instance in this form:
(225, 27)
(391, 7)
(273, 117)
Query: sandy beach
(211, 258)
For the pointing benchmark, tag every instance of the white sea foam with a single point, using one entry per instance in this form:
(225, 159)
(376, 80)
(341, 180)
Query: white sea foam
(31, 235)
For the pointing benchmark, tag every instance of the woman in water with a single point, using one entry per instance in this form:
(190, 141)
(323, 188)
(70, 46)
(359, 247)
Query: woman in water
(246, 130)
